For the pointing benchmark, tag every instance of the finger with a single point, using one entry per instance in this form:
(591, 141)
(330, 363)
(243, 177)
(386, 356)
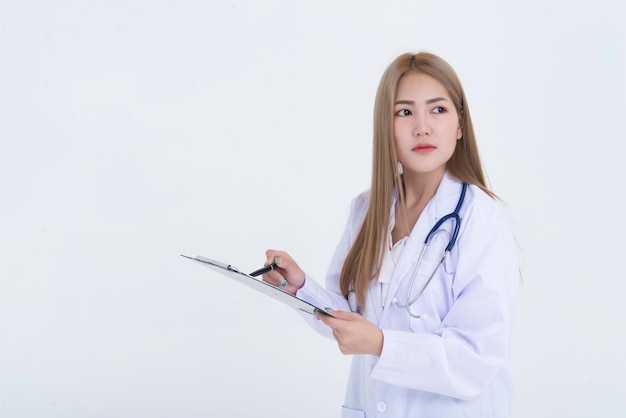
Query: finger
(291, 278)
(327, 319)
(321, 316)
(276, 257)
(344, 315)
(280, 261)
(275, 261)
(275, 279)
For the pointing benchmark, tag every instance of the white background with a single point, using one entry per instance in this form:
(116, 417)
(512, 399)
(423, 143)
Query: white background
(134, 131)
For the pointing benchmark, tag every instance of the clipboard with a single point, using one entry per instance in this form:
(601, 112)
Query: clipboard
(267, 289)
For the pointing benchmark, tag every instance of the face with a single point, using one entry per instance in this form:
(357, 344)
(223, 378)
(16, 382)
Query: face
(426, 125)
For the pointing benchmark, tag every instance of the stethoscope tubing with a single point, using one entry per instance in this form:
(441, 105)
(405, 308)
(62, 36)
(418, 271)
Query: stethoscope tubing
(433, 231)
(457, 221)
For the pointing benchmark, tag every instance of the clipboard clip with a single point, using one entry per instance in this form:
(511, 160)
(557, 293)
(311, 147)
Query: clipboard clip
(213, 262)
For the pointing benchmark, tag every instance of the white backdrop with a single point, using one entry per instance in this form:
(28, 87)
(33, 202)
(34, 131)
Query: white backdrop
(134, 131)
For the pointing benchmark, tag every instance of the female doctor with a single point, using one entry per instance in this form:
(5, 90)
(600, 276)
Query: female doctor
(427, 307)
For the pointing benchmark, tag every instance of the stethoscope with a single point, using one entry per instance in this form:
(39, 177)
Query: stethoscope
(454, 217)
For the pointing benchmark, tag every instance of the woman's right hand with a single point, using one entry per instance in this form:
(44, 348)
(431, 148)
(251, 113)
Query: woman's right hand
(287, 275)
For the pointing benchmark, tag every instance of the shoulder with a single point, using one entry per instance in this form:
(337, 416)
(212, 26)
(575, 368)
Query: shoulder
(486, 224)
(484, 209)
(478, 207)
(359, 205)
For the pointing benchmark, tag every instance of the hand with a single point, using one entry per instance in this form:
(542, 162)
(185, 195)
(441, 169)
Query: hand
(353, 333)
(287, 272)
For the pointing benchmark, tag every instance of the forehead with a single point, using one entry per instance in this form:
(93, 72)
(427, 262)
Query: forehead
(420, 85)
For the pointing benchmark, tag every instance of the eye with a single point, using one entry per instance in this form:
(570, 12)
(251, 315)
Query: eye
(403, 112)
(439, 109)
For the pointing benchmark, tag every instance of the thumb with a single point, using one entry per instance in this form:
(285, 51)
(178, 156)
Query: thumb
(343, 315)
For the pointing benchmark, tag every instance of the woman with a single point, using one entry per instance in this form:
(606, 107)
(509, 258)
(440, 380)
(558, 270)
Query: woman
(426, 346)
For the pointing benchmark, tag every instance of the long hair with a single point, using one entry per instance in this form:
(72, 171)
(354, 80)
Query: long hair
(364, 259)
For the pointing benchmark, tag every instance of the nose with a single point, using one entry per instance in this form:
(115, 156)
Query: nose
(421, 127)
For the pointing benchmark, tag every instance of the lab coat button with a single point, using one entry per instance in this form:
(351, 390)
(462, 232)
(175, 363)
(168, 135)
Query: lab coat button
(381, 407)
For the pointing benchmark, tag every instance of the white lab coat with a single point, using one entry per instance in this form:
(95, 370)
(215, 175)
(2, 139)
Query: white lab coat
(453, 363)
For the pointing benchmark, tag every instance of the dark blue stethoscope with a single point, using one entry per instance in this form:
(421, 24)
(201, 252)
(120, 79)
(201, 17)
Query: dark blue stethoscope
(436, 229)
(454, 216)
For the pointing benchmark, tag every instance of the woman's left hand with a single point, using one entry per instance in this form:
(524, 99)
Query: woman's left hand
(353, 333)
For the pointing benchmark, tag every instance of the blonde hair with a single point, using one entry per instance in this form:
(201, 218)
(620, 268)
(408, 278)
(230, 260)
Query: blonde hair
(364, 259)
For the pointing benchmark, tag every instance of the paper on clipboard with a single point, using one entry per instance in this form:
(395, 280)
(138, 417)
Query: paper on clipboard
(258, 285)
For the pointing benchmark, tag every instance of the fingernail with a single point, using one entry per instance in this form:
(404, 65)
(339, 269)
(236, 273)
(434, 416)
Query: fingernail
(277, 260)
(284, 283)
(327, 309)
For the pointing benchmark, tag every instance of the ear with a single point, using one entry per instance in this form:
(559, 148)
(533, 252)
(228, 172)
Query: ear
(459, 133)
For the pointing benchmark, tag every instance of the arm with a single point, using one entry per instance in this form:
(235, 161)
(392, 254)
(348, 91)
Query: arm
(306, 288)
(472, 343)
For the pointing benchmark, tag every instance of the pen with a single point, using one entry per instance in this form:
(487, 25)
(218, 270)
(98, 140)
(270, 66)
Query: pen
(263, 270)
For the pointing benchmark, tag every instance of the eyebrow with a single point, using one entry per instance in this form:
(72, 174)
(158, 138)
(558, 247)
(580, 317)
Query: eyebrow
(429, 101)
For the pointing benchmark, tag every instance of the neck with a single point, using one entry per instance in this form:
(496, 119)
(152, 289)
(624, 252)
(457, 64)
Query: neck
(420, 188)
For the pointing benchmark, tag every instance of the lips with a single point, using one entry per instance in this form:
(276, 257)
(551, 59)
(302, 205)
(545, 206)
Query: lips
(423, 148)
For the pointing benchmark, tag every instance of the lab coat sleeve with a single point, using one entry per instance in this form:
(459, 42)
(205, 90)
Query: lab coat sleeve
(331, 296)
(472, 343)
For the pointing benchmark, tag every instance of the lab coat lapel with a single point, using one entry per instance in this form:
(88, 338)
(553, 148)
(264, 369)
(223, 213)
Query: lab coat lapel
(441, 204)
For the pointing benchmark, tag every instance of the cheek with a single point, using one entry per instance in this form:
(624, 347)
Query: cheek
(397, 136)
(402, 130)
(397, 129)
(400, 142)
(397, 145)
